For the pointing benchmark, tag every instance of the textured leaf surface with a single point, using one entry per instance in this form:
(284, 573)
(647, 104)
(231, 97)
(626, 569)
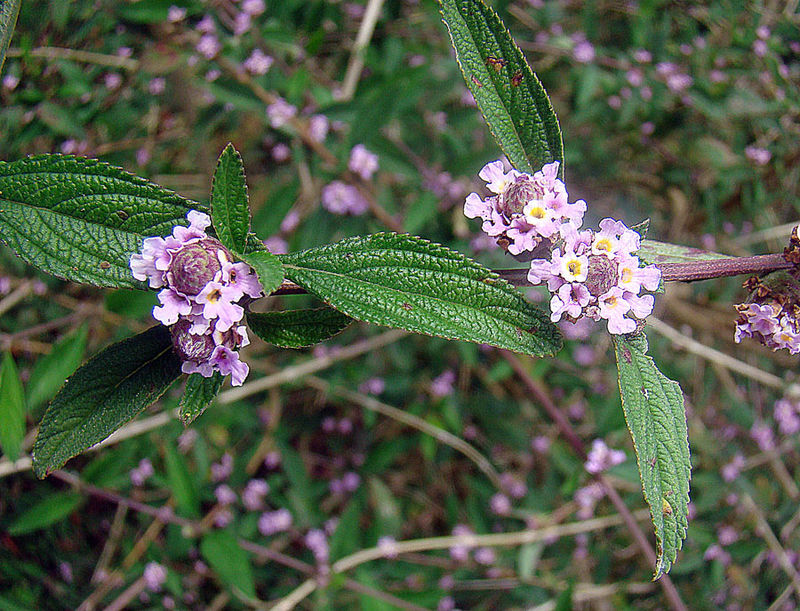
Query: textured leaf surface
(230, 211)
(656, 417)
(9, 9)
(407, 282)
(81, 219)
(12, 408)
(298, 328)
(652, 251)
(229, 561)
(108, 391)
(268, 269)
(52, 369)
(46, 512)
(198, 395)
(508, 93)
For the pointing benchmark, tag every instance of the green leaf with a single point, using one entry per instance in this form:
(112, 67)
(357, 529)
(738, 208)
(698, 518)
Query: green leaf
(81, 219)
(9, 9)
(407, 282)
(656, 417)
(268, 269)
(46, 512)
(105, 393)
(508, 93)
(230, 211)
(12, 409)
(50, 371)
(298, 328)
(652, 251)
(229, 561)
(181, 483)
(199, 394)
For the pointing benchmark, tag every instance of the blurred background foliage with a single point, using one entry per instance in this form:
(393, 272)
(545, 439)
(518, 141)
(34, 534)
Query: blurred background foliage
(686, 114)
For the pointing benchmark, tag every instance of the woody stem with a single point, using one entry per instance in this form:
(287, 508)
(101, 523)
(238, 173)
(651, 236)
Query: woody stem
(690, 271)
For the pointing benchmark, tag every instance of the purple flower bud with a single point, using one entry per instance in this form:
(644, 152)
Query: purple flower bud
(196, 264)
(196, 348)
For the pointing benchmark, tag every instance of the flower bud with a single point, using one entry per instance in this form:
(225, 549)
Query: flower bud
(195, 265)
(601, 275)
(517, 194)
(190, 346)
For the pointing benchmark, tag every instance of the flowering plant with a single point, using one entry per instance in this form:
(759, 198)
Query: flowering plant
(89, 222)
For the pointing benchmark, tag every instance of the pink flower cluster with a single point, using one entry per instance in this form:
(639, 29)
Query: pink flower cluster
(596, 274)
(525, 209)
(768, 323)
(201, 290)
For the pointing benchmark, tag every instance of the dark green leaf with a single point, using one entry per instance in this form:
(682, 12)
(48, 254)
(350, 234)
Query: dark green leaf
(652, 251)
(407, 282)
(12, 409)
(9, 9)
(199, 394)
(298, 328)
(656, 417)
(229, 561)
(230, 211)
(46, 512)
(510, 96)
(105, 393)
(268, 268)
(181, 483)
(81, 219)
(50, 371)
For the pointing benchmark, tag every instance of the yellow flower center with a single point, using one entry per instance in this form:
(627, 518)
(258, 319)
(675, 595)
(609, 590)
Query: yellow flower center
(604, 244)
(574, 267)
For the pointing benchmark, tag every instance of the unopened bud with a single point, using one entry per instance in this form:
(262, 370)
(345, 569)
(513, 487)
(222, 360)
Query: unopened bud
(195, 265)
(518, 194)
(601, 275)
(191, 346)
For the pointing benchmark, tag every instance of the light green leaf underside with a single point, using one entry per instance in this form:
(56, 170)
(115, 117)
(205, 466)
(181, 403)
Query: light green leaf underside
(106, 392)
(508, 93)
(656, 417)
(198, 395)
(230, 211)
(652, 251)
(406, 282)
(298, 328)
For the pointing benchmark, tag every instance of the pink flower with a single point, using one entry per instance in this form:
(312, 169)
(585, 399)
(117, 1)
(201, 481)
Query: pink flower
(208, 46)
(154, 576)
(227, 362)
(341, 198)
(601, 457)
(173, 306)
(583, 52)
(280, 113)
(253, 7)
(273, 522)
(176, 14)
(258, 62)
(318, 126)
(362, 162)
